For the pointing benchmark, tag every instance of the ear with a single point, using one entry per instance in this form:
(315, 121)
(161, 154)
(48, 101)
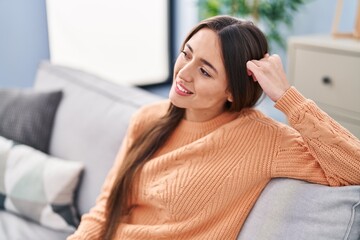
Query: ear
(229, 96)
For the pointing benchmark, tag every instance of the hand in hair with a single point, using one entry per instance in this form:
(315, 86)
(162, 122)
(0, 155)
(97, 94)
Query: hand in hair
(270, 74)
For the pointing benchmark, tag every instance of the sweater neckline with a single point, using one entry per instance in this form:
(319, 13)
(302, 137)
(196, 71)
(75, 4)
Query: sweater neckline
(206, 126)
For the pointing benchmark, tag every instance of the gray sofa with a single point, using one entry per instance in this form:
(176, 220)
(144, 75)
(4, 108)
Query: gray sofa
(89, 125)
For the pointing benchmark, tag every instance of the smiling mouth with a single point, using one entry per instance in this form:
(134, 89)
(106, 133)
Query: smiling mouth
(182, 90)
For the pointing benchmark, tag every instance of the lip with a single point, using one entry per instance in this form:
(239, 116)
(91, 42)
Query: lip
(182, 90)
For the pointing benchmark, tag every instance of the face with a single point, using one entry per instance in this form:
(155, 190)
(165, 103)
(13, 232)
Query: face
(199, 82)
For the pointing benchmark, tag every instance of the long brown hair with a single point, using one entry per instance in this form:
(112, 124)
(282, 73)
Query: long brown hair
(241, 41)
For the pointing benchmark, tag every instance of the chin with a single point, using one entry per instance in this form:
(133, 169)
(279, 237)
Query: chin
(175, 101)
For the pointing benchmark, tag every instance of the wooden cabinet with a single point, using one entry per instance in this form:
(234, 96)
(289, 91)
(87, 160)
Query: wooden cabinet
(327, 70)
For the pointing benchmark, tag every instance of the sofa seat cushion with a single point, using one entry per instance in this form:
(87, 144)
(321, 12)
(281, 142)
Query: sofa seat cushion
(13, 227)
(294, 209)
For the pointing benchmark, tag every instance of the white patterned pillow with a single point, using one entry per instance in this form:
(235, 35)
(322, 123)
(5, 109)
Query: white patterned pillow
(37, 186)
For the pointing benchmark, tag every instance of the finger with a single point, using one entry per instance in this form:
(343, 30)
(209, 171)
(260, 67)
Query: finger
(257, 63)
(276, 61)
(253, 69)
(263, 64)
(249, 73)
(251, 66)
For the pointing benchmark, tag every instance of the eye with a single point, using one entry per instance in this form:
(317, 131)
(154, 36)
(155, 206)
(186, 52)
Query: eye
(204, 72)
(186, 55)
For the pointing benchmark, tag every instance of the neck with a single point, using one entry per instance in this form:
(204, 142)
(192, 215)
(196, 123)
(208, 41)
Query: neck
(201, 115)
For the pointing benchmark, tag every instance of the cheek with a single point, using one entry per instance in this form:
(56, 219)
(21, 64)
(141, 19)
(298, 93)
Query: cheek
(212, 92)
(210, 88)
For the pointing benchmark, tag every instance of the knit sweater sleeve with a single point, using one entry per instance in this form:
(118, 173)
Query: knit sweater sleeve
(316, 148)
(92, 223)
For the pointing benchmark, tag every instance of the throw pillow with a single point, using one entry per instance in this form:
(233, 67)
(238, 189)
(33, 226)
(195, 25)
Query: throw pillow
(37, 186)
(26, 116)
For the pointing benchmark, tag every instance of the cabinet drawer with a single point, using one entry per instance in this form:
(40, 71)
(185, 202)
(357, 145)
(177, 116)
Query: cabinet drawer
(328, 78)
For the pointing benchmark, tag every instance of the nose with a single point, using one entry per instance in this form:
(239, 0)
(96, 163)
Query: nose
(186, 72)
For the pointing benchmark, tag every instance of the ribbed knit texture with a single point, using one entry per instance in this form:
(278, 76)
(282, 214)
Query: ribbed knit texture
(203, 183)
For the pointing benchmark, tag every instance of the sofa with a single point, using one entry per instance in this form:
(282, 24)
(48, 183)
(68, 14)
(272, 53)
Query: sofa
(84, 130)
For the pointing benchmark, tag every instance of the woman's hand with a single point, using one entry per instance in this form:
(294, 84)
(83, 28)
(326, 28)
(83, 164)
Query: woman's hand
(270, 74)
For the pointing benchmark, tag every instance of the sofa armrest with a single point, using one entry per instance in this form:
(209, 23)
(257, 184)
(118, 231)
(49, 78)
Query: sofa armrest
(294, 209)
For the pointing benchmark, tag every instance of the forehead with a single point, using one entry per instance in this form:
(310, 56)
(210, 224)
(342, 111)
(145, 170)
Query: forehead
(205, 34)
(206, 43)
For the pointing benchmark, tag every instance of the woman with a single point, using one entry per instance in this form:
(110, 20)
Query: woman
(193, 166)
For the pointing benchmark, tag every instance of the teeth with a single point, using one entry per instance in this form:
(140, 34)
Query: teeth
(182, 89)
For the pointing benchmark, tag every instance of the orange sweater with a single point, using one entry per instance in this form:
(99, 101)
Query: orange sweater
(203, 183)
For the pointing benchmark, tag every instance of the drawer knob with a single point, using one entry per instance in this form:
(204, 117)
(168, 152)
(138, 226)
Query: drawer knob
(326, 80)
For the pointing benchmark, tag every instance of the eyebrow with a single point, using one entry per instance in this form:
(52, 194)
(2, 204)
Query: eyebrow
(202, 60)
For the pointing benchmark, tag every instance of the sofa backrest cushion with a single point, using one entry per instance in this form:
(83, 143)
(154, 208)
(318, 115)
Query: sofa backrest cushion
(90, 123)
(294, 209)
